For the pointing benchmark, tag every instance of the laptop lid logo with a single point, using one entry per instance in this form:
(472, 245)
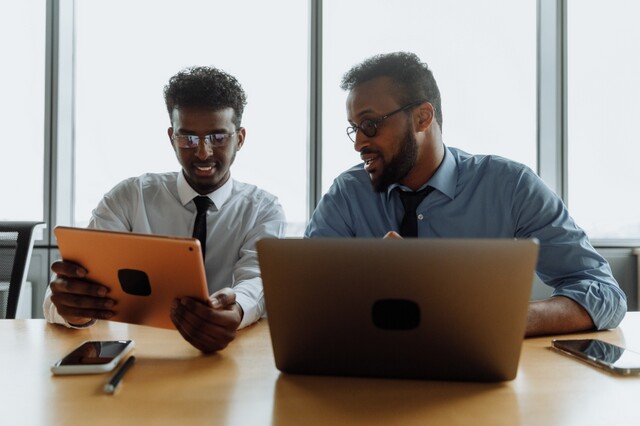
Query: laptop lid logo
(395, 314)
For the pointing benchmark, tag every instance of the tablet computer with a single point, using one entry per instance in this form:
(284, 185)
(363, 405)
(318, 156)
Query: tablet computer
(144, 272)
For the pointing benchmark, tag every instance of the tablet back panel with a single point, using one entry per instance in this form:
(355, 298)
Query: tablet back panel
(144, 272)
(421, 308)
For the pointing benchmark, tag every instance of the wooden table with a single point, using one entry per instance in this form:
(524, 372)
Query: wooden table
(172, 383)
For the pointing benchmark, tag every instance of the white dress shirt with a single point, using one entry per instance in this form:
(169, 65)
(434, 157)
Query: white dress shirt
(163, 204)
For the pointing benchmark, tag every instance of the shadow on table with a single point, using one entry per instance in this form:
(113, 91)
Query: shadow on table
(318, 400)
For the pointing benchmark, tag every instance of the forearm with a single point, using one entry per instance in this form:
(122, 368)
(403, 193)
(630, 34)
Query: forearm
(556, 315)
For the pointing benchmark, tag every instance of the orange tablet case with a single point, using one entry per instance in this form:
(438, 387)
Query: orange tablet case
(144, 272)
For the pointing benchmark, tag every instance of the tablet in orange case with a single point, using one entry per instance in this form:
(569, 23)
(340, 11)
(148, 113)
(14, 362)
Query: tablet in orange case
(144, 272)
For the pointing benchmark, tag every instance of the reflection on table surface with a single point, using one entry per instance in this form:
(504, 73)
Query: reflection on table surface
(172, 382)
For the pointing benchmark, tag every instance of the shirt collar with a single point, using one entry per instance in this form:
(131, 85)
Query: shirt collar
(445, 179)
(187, 193)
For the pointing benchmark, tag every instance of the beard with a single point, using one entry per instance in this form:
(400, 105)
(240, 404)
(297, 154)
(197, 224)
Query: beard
(400, 165)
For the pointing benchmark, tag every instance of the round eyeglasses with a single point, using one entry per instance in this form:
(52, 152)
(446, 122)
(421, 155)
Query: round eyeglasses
(370, 127)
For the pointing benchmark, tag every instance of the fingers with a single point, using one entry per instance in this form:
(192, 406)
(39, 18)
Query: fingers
(223, 298)
(202, 338)
(78, 286)
(77, 309)
(73, 307)
(68, 269)
(203, 326)
(392, 234)
(76, 300)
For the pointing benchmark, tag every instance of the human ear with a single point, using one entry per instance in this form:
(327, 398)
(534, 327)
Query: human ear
(170, 133)
(242, 133)
(424, 115)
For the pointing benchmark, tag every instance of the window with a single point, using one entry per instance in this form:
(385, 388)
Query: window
(603, 92)
(482, 54)
(22, 85)
(127, 51)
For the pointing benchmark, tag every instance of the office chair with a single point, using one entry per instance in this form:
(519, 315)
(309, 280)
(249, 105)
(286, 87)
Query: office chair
(16, 245)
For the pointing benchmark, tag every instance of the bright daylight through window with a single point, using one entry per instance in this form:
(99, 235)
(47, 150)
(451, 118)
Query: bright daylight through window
(22, 108)
(603, 92)
(121, 119)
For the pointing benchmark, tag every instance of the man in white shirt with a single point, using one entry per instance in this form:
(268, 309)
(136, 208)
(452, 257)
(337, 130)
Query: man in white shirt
(205, 107)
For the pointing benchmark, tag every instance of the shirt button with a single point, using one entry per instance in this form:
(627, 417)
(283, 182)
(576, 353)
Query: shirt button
(420, 216)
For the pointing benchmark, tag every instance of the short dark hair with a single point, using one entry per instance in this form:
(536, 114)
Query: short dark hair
(412, 77)
(205, 87)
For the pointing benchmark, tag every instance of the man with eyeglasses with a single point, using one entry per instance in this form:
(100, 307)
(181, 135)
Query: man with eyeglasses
(395, 123)
(205, 107)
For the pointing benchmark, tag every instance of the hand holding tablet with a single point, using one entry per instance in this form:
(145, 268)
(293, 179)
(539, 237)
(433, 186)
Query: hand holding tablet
(143, 274)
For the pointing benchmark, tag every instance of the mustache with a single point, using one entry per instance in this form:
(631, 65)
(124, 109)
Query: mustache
(367, 150)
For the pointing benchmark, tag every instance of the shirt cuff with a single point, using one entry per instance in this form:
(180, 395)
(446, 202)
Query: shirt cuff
(606, 304)
(250, 308)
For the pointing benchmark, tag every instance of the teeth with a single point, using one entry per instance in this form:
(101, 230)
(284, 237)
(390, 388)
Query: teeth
(203, 168)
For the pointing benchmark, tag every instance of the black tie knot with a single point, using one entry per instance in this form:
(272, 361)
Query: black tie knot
(202, 203)
(411, 200)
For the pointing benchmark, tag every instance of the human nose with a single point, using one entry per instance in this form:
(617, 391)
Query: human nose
(204, 149)
(361, 141)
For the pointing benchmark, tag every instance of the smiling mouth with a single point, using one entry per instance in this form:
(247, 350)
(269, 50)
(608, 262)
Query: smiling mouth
(369, 162)
(204, 170)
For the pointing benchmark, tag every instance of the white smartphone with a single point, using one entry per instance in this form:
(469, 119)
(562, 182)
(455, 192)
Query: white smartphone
(598, 353)
(93, 357)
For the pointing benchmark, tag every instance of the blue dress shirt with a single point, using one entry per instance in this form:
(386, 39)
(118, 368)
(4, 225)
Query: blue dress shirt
(482, 196)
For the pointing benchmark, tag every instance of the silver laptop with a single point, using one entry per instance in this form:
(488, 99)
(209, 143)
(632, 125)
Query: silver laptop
(441, 309)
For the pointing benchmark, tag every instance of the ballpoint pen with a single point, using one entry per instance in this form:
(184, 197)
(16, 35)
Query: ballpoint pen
(111, 386)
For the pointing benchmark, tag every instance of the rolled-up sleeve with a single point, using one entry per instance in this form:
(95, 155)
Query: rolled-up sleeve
(606, 303)
(567, 261)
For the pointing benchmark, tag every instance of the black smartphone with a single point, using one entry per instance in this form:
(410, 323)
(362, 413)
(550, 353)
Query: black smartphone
(612, 358)
(93, 357)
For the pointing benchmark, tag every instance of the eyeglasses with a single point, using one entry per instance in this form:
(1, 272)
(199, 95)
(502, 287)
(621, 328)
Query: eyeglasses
(216, 140)
(370, 127)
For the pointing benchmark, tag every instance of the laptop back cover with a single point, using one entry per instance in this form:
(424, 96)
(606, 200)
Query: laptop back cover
(422, 308)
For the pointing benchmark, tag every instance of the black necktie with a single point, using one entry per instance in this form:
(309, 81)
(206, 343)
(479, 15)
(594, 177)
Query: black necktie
(200, 225)
(410, 201)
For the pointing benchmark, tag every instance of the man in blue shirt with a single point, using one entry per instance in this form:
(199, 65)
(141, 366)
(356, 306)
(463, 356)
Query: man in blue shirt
(395, 117)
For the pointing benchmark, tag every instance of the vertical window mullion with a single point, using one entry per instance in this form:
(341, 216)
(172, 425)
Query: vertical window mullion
(61, 117)
(315, 105)
(552, 147)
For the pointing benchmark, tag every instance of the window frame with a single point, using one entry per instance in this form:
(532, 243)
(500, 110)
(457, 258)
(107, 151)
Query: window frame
(551, 137)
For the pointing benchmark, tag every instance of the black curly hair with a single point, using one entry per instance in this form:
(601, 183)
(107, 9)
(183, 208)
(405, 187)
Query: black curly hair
(205, 87)
(412, 77)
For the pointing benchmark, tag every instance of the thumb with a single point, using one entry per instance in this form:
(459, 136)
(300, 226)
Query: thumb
(223, 298)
